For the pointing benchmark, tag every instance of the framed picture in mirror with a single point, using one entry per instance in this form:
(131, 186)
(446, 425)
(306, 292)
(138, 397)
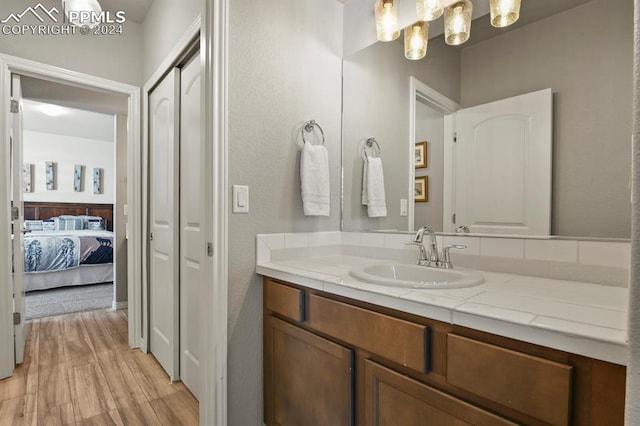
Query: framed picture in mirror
(421, 155)
(421, 189)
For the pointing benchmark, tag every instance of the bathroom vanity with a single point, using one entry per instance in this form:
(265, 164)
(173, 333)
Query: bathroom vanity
(338, 351)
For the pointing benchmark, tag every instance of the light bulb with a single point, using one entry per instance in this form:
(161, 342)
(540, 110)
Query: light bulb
(416, 40)
(429, 10)
(457, 22)
(386, 20)
(504, 12)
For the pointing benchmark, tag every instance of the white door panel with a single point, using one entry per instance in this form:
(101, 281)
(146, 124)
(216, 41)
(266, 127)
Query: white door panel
(17, 200)
(192, 238)
(163, 211)
(503, 165)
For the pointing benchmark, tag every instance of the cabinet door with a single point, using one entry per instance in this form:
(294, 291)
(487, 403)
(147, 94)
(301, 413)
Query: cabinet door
(395, 399)
(308, 379)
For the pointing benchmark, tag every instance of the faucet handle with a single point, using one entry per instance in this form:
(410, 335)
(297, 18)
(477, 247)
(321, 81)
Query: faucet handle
(422, 254)
(446, 259)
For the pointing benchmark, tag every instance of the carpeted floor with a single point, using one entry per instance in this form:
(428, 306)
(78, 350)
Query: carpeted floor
(58, 301)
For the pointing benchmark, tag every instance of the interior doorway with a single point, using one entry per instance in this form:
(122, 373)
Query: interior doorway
(69, 82)
(177, 218)
(81, 133)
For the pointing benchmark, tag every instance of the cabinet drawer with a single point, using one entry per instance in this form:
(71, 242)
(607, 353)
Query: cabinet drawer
(284, 300)
(535, 386)
(400, 341)
(394, 399)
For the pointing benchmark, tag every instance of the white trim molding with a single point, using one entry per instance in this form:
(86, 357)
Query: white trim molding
(214, 48)
(117, 306)
(419, 90)
(25, 67)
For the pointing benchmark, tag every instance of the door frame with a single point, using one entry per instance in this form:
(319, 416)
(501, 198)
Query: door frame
(448, 107)
(210, 29)
(8, 66)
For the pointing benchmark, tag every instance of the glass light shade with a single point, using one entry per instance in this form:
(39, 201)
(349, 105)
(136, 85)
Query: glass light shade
(504, 12)
(386, 20)
(82, 12)
(429, 10)
(416, 40)
(457, 22)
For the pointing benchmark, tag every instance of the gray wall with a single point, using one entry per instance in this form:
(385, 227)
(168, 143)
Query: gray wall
(115, 57)
(164, 25)
(120, 220)
(589, 69)
(430, 127)
(284, 69)
(376, 103)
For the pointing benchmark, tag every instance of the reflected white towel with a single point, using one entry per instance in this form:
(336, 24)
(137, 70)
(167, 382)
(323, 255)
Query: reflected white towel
(373, 187)
(314, 175)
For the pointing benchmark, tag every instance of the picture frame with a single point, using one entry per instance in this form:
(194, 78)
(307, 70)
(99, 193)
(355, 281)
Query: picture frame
(50, 175)
(421, 192)
(97, 181)
(77, 178)
(421, 160)
(27, 181)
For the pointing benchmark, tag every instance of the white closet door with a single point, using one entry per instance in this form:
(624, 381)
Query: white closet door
(163, 211)
(192, 238)
(17, 200)
(503, 165)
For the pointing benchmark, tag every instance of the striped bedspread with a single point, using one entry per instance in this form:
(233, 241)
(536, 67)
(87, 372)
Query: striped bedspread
(46, 251)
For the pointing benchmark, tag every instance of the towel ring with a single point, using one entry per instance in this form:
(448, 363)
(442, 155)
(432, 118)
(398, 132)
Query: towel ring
(308, 127)
(370, 144)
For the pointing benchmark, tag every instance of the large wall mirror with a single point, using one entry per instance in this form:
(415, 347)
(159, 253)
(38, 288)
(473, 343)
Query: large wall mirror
(580, 49)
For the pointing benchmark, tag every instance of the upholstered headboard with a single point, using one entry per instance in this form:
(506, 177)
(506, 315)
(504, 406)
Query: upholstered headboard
(39, 211)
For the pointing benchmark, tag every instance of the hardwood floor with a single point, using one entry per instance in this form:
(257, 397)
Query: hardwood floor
(79, 370)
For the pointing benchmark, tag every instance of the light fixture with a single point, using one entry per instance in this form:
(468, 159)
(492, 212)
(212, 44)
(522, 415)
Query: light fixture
(82, 13)
(416, 40)
(429, 10)
(457, 22)
(52, 110)
(504, 12)
(386, 20)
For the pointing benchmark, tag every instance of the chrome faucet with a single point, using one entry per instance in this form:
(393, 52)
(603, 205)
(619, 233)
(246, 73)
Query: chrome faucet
(431, 257)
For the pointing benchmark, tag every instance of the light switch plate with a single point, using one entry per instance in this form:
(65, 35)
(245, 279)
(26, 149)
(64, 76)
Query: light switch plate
(404, 205)
(240, 199)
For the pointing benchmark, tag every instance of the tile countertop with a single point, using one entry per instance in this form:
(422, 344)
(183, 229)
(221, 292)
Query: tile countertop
(581, 318)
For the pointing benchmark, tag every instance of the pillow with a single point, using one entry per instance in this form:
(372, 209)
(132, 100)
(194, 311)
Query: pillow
(49, 225)
(33, 225)
(68, 223)
(86, 219)
(95, 224)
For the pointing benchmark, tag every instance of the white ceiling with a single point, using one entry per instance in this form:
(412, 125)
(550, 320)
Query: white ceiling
(74, 97)
(72, 122)
(135, 10)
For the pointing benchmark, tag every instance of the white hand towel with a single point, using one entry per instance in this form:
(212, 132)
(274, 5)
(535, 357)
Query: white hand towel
(373, 187)
(314, 175)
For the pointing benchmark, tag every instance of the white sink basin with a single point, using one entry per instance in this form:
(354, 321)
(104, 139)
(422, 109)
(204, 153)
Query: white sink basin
(415, 276)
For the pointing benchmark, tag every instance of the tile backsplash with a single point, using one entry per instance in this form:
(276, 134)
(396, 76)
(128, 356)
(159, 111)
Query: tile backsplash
(574, 260)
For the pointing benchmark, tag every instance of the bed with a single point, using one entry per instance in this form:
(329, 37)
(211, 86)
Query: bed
(72, 247)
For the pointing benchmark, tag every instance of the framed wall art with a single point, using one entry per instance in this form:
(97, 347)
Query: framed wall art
(97, 181)
(50, 175)
(27, 182)
(421, 194)
(77, 177)
(421, 155)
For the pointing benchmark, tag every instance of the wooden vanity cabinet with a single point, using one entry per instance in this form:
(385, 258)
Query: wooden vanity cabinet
(329, 360)
(309, 380)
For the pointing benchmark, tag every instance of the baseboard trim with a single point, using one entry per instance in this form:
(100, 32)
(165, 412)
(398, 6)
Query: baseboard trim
(116, 306)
